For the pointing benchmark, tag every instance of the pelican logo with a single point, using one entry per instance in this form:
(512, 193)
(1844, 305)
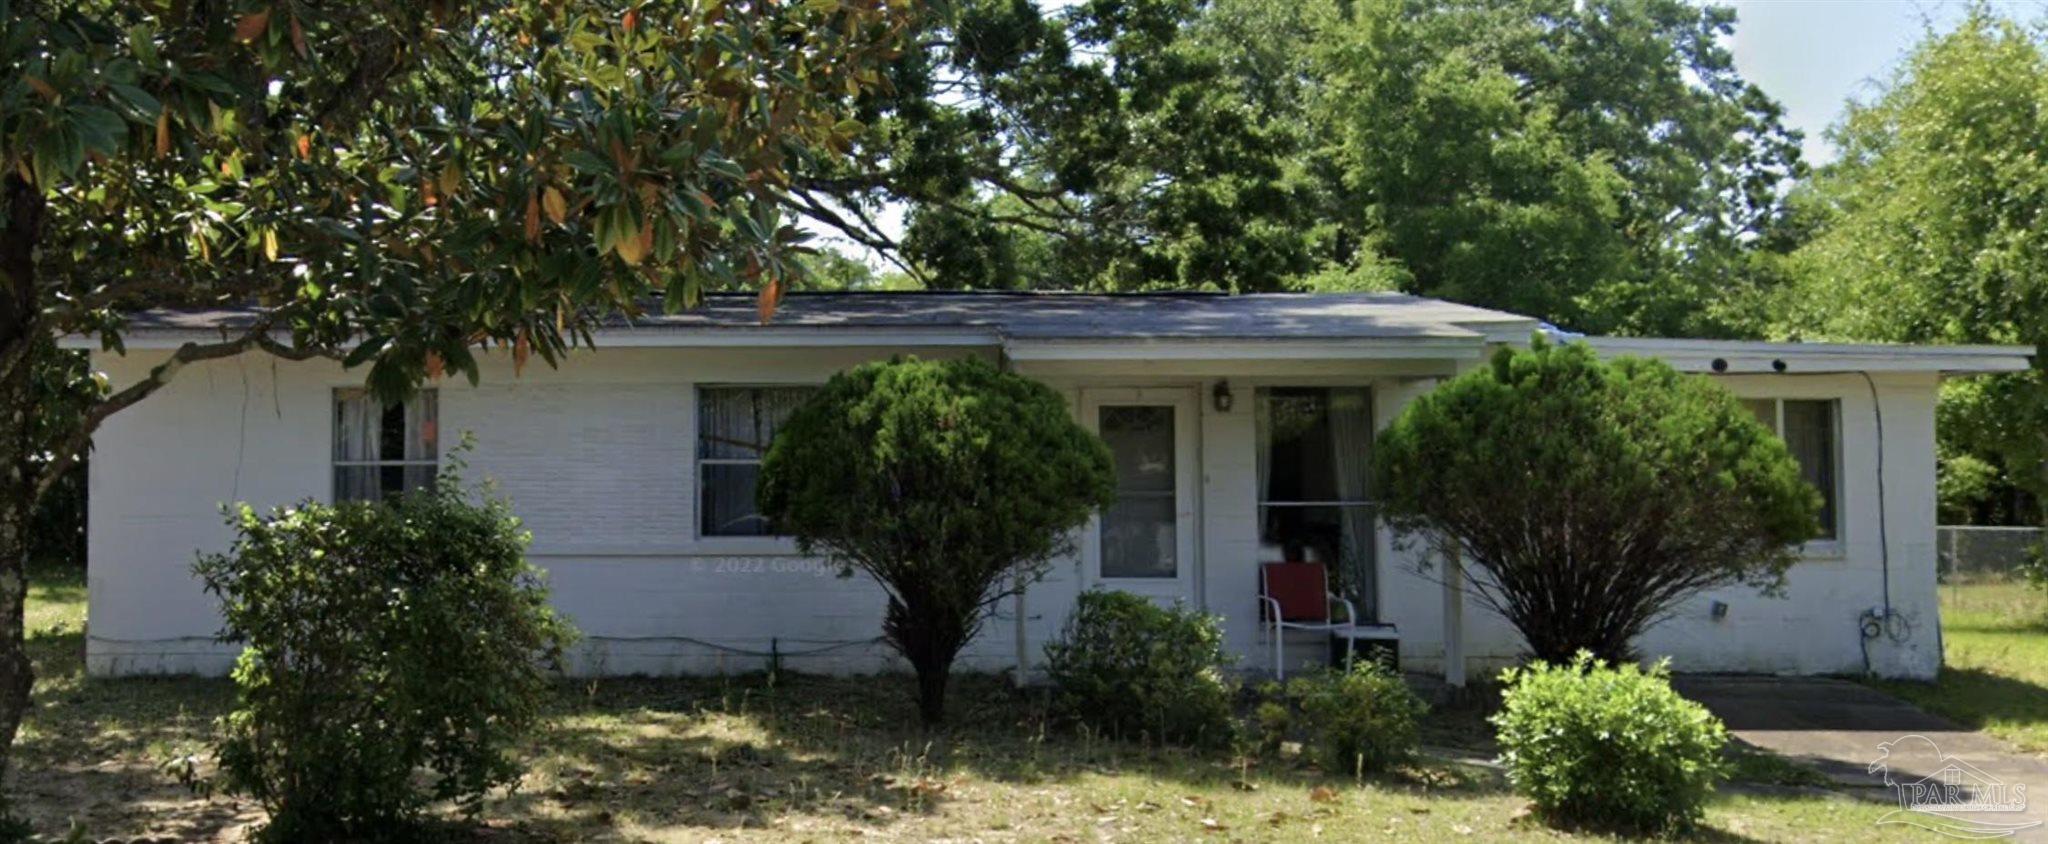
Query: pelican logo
(1940, 793)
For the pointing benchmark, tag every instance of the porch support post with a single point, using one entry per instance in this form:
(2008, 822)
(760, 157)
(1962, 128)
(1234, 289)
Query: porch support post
(1454, 617)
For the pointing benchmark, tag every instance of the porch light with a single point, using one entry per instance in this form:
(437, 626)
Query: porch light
(1223, 397)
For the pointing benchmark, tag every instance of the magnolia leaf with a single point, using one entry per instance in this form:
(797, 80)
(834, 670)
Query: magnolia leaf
(451, 177)
(769, 300)
(522, 348)
(633, 249)
(163, 133)
(270, 244)
(41, 87)
(253, 24)
(298, 38)
(532, 218)
(555, 204)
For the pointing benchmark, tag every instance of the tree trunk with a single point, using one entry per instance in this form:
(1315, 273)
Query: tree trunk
(19, 307)
(930, 638)
(17, 503)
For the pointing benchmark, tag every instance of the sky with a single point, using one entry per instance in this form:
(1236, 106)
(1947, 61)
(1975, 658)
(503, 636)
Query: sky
(1815, 55)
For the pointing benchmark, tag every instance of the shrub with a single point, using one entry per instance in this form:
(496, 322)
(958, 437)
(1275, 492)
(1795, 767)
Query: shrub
(394, 654)
(1552, 469)
(1357, 721)
(1128, 666)
(951, 483)
(1608, 747)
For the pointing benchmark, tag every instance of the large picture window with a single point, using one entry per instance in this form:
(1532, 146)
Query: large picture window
(734, 427)
(1315, 453)
(384, 449)
(1808, 428)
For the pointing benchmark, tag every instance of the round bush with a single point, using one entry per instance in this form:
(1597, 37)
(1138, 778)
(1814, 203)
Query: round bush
(394, 655)
(1357, 721)
(1127, 666)
(952, 483)
(1607, 747)
(1553, 468)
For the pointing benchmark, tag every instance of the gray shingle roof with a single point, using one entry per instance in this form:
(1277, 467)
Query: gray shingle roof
(1052, 316)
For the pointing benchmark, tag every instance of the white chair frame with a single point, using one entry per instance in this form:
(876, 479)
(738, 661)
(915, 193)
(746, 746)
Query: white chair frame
(1275, 627)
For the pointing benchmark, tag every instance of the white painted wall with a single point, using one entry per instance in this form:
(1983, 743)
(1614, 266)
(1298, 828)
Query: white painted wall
(596, 458)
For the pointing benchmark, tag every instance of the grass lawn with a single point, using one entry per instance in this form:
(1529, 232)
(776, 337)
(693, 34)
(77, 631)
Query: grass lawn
(1995, 676)
(747, 759)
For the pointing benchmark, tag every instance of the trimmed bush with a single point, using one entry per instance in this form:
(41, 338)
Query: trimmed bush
(1552, 469)
(1613, 748)
(952, 483)
(394, 654)
(1358, 721)
(1127, 666)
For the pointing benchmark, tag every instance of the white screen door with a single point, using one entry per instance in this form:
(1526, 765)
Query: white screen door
(1144, 543)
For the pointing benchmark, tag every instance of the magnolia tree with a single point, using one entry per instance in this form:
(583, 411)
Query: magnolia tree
(951, 483)
(394, 182)
(1592, 497)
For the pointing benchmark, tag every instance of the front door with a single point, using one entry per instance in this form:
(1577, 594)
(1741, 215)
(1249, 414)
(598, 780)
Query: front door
(1145, 542)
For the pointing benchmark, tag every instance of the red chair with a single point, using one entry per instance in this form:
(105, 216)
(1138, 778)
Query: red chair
(1297, 596)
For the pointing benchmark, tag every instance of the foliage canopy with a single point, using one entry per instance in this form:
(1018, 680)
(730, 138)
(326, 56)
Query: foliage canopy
(1600, 164)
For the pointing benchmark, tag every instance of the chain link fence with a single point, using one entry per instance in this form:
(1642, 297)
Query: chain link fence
(1973, 552)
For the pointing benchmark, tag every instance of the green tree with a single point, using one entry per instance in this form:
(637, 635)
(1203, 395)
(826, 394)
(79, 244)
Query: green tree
(1930, 229)
(426, 178)
(1592, 497)
(951, 483)
(1600, 164)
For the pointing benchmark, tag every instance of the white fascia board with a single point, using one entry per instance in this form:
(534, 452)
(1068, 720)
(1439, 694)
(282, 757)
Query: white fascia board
(1365, 348)
(1748, 357)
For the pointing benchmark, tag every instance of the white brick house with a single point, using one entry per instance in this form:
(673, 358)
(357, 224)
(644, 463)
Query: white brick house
(632, 466)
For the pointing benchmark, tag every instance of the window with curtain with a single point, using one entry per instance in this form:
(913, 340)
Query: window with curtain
(382, 449)
(734, 427)
(1808, 428)
(1315, 451)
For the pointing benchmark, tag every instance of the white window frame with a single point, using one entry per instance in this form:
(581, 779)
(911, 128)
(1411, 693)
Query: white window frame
(334, 433)
(1833, 546)
(769, 543)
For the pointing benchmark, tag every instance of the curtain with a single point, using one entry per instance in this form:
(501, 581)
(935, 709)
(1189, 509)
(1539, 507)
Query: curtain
(354, 441)
(735, 427)
(1350, 415)
(382, 450)
(1810, 436)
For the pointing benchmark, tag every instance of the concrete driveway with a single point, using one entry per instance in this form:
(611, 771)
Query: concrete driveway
(1965, 778)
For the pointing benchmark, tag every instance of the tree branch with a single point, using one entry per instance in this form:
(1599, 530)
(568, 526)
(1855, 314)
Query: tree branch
(256, 336)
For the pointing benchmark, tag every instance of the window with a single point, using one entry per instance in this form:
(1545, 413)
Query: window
(1140, 529)
(383, 449)
(1315, 449)
(734, 427)
(1808, 428)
